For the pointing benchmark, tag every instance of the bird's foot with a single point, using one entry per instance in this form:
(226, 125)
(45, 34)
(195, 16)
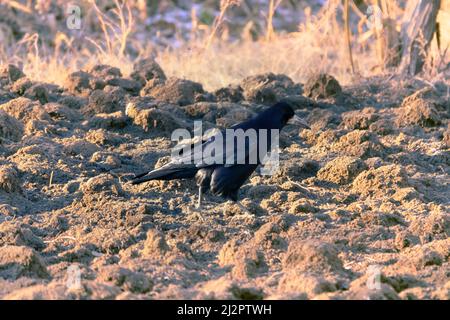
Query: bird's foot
(196, 212)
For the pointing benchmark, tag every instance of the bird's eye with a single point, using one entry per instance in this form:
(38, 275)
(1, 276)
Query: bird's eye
(286, 117)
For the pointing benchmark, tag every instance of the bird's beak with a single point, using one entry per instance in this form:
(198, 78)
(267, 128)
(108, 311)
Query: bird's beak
(296, 120)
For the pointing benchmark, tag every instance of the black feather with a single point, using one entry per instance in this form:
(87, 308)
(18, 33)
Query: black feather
(218, 178)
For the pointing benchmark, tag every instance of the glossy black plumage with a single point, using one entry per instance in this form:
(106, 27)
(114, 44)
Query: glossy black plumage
(220, 179)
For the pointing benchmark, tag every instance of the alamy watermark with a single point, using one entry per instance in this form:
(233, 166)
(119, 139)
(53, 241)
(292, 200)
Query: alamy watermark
(73, 278)
(73, 21)
(373, 281)
(228, 147)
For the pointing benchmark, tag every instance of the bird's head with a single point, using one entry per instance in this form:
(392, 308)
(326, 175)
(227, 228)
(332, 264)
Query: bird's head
(283, 114)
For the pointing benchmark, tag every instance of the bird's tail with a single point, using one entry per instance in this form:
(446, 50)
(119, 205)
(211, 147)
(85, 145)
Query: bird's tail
(166, 173)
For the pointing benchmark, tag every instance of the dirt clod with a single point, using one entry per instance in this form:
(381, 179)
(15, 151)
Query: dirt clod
(18, 261)
(135, 282)
(174, 90)
(101, 183)
(37, 92)
(81, 82)
(322, 86)
(418, 112)
(358, 143)
(341, 170)
(10, 128)
(151, 116)
(299, 170)
(359, 119)
(9, 179)
(246, 260)
(105, 102)
(24, 109)
(105, 72)
(10, 73)
(380, 181)
(19, 235)
(312, 256)
(230, 94)
(269, 88)
(155, 245)
(147, 69)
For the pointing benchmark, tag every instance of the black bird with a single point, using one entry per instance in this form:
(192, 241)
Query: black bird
(224, 177)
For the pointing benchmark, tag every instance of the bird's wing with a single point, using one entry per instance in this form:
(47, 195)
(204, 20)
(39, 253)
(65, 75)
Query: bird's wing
(251, 151)
(213, 149)
(191, 151)
(241, 153)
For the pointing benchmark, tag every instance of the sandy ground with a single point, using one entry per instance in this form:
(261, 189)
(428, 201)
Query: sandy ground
(359, 208)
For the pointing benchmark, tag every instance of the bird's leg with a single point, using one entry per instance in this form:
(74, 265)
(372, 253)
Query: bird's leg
(200, 198)
(197, 211)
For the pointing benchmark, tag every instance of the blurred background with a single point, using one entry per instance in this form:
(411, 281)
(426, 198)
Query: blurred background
(217, 42)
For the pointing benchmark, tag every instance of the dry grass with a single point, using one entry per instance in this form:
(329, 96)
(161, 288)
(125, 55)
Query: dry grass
(52, 63)
(209, 57)
(314, 48)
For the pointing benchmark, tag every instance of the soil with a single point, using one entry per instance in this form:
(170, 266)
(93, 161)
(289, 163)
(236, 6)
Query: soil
(367, 188)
